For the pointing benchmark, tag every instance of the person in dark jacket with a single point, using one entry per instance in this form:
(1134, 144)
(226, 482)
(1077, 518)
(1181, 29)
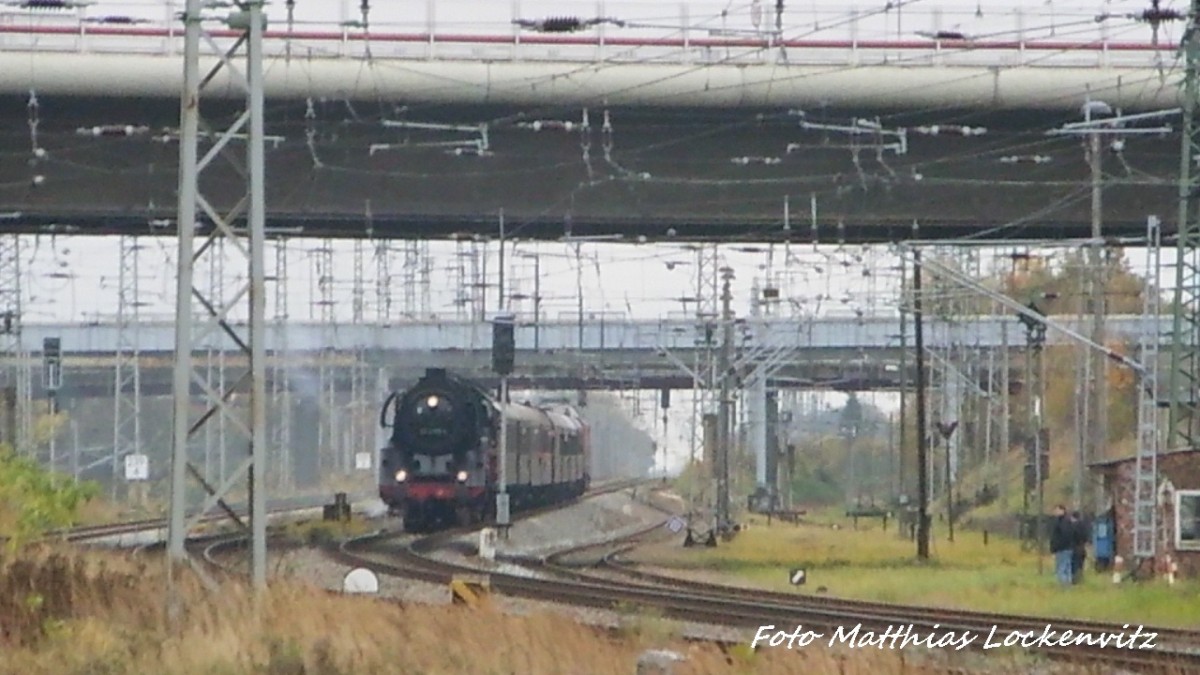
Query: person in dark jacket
(1079, 552)
(1062, 545)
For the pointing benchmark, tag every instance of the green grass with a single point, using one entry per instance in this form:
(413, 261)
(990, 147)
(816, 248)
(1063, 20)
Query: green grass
(871, 564)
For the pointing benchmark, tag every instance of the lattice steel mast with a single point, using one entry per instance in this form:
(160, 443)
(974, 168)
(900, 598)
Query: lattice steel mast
(248, 241)
(328, 454)
(1145, 496)
(127, 394)
(707, 310)
(1184, 378)
(281, 385)
(17, 392)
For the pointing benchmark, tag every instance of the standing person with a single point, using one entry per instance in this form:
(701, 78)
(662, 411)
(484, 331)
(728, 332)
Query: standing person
(1079, 551)
(1062, 545)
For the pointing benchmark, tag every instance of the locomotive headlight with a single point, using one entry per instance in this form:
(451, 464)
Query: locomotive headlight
(432, 401)
(462, 476)
(401, 475)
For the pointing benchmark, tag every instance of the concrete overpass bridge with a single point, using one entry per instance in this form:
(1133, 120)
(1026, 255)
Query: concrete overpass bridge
(693, 136)
(829, 353)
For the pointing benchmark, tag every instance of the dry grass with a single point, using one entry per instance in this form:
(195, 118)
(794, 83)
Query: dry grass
(66, 614)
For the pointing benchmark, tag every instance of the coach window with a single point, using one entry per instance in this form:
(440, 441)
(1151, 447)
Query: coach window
(1187, 520)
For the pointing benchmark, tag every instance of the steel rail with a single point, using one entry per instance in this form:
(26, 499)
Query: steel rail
(744, 607)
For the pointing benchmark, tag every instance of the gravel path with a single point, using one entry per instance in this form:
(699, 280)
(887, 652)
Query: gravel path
(592, 520)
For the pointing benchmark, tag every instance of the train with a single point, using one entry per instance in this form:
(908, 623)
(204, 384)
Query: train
(440, 466)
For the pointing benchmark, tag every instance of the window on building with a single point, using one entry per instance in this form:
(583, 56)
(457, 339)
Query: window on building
(1187, 520)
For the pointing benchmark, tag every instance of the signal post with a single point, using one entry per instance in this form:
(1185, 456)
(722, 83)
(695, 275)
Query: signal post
(503, 357)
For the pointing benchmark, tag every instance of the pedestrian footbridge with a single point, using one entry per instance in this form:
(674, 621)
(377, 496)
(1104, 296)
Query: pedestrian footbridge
(848, 353)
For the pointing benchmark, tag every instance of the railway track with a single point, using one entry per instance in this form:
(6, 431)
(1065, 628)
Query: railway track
(89, 533)
(816, 619)
(611, 560)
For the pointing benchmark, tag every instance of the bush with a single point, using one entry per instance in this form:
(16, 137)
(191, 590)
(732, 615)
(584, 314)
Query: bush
(34, 501)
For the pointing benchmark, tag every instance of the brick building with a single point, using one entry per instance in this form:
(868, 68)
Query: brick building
(1178, 507)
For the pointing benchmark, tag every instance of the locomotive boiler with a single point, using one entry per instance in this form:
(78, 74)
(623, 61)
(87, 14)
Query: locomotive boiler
(441, 465)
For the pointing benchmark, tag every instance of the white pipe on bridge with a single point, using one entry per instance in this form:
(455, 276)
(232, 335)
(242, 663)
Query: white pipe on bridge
(646, 335)
(759, 84)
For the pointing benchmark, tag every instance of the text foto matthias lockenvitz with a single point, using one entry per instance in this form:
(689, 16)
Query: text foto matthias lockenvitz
(907, 635)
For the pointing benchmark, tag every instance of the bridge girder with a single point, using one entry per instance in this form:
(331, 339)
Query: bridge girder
(671, 176)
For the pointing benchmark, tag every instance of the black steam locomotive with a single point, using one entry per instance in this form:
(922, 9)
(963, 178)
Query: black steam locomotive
(441, 466)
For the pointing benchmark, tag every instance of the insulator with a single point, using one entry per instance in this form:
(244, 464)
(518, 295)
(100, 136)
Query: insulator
(48, 4)
(114, 20)
(560, 24)
(936, 129)
(111, 130)
(1157, 15)
(548, 125)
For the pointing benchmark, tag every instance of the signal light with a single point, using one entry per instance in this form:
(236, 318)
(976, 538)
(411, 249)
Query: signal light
(504, 344)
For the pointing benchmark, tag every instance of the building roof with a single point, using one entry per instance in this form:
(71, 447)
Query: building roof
(1129, 458)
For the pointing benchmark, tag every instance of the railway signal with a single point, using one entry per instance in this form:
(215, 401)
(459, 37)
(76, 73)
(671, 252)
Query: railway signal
(503, 357)
(52, 365)
(503, 344)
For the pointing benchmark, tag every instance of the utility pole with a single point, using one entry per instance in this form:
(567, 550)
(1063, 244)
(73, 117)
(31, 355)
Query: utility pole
(1184, 380)
(503, 357)
(127, 381)
(1005, 395)
(1097, 305)
(501, 299)
(1037, 464)
(537, 301)
(665, 404)
(922, 431)
(250, 21)
(725, 413)
(579, 293)
(1094, 439)
(1040, 441)
(903, 440)
(1145, 493)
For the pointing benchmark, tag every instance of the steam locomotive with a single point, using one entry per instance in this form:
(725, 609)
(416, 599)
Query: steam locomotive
(441, 465)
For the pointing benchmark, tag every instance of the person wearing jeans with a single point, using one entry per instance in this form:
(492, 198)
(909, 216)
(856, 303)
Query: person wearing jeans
(1062, 545)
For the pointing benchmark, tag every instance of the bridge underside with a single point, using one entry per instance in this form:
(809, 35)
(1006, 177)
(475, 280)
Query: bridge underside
(92, 376)
(667, 174)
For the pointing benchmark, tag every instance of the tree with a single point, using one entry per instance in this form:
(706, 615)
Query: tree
(32, 501)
